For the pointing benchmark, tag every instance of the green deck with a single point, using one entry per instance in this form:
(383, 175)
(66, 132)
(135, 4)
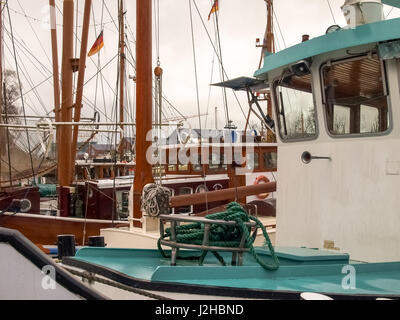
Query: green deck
(301, 270)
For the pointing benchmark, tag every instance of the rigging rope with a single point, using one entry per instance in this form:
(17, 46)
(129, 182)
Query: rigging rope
(218, 40)
(20, 89)
(198, 101)
(219, 59)
(223, 235)
(155, 200)
(330, 8)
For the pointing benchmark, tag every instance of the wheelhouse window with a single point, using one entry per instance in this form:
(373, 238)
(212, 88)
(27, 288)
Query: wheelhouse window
(356, 100)
(296, 110)
(270, 160)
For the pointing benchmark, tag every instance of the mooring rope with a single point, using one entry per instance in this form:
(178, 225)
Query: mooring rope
(224, 235)
(155, 199)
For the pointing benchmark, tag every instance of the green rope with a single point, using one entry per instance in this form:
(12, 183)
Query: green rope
(223, 235)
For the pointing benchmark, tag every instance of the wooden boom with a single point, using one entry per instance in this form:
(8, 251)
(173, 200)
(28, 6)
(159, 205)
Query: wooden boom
(221, 195)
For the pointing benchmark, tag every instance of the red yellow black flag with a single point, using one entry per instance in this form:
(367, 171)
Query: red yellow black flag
(97, 45)
(213, 9)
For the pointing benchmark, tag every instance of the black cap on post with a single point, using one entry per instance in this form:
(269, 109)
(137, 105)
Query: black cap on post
(66, 246)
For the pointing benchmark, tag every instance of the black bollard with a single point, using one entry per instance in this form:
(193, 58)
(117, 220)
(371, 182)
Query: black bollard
(96, 241)
(66, 246)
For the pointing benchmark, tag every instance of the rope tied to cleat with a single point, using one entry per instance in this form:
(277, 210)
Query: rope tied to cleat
(222, 235)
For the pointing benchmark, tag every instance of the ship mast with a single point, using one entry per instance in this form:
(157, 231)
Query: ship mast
(2, 152)
(268, 43)
(80, 84)
(268, 46)
(56, 76)
(64, 148)
(67, 145)
(121, 68)
(143, 171)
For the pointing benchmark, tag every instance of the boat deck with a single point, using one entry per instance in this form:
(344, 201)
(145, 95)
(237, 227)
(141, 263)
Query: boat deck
(301, 270)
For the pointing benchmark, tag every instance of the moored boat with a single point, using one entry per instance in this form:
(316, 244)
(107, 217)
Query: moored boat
(334, 101)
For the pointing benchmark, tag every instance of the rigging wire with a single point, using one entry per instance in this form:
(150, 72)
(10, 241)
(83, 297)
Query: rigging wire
(215, 50)
(279, 28)
(26, 75)
(58, 24)
(330, 8)
(34, 32)
(198, 102)
(209, 89)
(92, 60)
(20, 88)
(218, 41)
(389, 13)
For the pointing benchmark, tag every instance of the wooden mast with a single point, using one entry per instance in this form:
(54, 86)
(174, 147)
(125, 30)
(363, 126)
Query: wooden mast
(3, 150)
(64, 148)
(56, 76)
(80, 84)
(143, 171)
(268, 46)
(268, 42)
(121, 68)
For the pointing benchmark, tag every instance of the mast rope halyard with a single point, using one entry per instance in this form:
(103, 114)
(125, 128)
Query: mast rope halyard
(218, 40)
(223, 236)
(217, 55)
(198, 104)
(20, 89)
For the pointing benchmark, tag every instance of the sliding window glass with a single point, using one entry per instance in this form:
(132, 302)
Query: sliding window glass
(356, 100)
(296, 110)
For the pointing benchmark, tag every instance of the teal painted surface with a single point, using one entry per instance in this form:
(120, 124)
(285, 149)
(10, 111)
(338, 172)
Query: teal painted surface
(365, 34)
(47, 190)
(307, 255)
(311, 270)
(393, 3)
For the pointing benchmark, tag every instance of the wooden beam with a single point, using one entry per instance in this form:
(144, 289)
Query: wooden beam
(222, 195)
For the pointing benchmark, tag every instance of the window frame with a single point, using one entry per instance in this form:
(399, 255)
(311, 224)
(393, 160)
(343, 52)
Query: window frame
(276, 100)
(386, 90)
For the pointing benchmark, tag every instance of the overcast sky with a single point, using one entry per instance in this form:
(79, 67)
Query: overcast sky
(240, 23)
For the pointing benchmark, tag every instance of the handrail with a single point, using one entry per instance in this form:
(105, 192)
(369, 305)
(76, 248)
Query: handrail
(175, 220)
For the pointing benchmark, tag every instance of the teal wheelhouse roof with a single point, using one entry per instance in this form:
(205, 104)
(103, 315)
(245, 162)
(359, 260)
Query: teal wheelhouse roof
(393, 3)
(344, 38)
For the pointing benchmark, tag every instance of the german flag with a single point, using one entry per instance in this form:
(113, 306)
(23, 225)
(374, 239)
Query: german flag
(213, 9)
(97, 45)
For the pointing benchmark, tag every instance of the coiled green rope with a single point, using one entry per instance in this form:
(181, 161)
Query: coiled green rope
(223, 235)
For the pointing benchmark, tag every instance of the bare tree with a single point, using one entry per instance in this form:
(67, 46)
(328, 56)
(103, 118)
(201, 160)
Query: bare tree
(10, 96)
(339, 125)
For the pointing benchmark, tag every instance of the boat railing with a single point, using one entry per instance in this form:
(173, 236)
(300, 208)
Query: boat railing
(176, 220)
